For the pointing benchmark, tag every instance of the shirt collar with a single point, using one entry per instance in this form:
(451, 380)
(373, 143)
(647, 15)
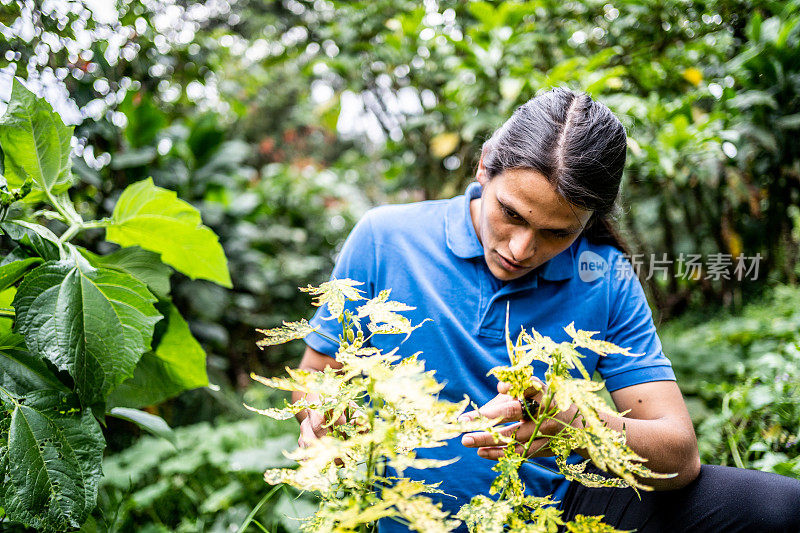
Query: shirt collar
(461, 237)
(463, 241)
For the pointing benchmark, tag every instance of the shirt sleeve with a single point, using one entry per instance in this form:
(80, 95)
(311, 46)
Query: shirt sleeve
(356, 261)
(630, 325)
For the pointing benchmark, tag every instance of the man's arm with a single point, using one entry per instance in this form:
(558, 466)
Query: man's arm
(658, 427)
(311, 422)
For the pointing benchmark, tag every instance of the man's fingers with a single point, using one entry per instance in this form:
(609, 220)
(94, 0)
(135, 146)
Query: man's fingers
(483, 438)
(306, 437)
(506, 408)
(503, 388)
(538, 448)
(521, 431)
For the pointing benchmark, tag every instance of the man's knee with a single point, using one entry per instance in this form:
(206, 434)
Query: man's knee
(781, 511)
(754, 500)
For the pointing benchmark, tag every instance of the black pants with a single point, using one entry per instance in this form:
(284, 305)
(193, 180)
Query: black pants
(721, 499)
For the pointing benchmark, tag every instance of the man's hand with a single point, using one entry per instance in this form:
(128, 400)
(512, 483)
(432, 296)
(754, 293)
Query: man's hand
(312, 426)
(312, 422)
(509, 409)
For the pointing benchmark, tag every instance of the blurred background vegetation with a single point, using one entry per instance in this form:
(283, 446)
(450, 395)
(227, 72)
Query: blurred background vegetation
(283, 121)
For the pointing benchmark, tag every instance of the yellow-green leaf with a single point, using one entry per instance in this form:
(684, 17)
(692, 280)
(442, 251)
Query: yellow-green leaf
(157, 220)
(288, 332)
(333, 293)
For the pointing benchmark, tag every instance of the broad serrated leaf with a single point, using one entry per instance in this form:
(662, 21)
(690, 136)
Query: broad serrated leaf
(177, 364)
(288, 332)
(424, 515)
(333, 293)
(142, 264)
(35, 143)
(54, 461)
(581, 393)
(519, 377)
(384, 315)
(94, 324)
(577, 472)
(608, 451)
(584, 340)
(157, 220)
(10, 273)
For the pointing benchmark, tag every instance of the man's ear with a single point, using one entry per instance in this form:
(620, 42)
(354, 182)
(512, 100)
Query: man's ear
(481, 175)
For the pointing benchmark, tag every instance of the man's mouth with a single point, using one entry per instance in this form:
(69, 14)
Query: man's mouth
(509, 265)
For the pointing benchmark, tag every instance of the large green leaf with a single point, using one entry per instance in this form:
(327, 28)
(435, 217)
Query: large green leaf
(35, 143)
(10, 273)
(157, 220)
(142, 264)
(20, 371)
(177, 364)
(52, 464)
(95, 324)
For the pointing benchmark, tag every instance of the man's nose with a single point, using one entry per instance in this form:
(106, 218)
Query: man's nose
(522, 245)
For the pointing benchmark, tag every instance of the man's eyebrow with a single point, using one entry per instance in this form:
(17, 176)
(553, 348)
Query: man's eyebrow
(570, 229)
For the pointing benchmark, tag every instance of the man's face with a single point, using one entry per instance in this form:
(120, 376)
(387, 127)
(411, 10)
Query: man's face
(522, 222)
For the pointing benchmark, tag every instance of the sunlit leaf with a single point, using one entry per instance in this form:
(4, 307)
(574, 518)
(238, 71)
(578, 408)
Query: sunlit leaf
(288, 332)
(157, 220)
(584, 340)
(484, 515)
(333, 293)
(591, 524)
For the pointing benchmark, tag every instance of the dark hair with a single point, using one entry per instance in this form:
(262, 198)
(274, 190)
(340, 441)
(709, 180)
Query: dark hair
(576, 143)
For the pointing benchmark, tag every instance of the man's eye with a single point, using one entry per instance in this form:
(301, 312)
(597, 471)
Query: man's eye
(511, 214)
(559, 234)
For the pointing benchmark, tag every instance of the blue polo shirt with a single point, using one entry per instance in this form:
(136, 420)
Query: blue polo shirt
(429, 255)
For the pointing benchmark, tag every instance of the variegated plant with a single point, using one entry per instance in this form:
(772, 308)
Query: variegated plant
(513, 511)
(403, 414)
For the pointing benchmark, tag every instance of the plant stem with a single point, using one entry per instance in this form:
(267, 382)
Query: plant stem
(326, 336)
(258, 507)
(71, 231)
(74, 229)
(536, 429)
(262, 528)
(733, 445)
(7, 312)
(63, 212)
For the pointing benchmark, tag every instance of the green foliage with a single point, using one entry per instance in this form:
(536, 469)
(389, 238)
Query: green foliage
(740, 375)
(176, 364)
(36, 144)
(208, 481)
(391, 409)
(81, 323)
(756, 423)
(95, 324)
(52, 453)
